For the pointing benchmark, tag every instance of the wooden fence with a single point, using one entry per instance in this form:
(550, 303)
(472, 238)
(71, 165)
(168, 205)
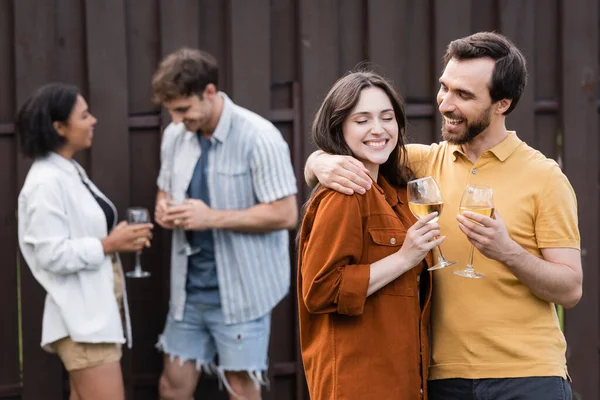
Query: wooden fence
(277, 58)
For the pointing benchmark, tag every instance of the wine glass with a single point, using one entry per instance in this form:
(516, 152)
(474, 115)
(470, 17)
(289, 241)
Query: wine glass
(424, 197)
(172, 201)
(138, 215)
(477, 199)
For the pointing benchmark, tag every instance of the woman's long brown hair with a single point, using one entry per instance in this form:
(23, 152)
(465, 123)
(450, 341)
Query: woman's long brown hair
(327, 131)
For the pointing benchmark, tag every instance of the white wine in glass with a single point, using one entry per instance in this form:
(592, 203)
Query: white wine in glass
(485, 211)
(138, 215)
(425, 197)
(477, 199)
(421, 210)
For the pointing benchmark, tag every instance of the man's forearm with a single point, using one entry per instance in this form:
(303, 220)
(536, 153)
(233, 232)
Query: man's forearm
(555, 283)
(282, 214)
(309, 176)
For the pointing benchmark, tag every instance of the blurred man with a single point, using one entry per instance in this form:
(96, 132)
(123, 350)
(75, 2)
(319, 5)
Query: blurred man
(227, 189)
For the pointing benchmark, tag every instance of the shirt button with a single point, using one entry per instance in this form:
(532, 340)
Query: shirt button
(393, 240)
(473, 171)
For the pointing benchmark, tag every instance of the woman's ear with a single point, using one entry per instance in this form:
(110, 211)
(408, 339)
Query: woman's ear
(59, 127)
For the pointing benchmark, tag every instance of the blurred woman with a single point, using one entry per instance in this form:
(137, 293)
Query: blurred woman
(68, 237)
(364, 317)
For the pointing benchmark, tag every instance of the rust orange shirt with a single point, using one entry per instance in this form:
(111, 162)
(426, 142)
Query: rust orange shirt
(354, 346)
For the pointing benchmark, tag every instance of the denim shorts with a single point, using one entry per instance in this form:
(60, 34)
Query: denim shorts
(202, 334)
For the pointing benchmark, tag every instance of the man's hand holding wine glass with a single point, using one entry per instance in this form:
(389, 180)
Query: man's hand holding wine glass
(160, 213)
(489, 235)
(191, 215)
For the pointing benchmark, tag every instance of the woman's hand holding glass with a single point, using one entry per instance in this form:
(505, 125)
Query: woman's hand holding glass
(421, 239)
(127, 238)
(424, 197)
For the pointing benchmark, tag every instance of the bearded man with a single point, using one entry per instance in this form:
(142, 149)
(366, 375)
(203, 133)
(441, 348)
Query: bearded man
(496, 337)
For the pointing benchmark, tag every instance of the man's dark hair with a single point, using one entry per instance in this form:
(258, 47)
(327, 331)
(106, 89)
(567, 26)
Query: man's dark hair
(184, 73)
(510, 72)
(34, 126)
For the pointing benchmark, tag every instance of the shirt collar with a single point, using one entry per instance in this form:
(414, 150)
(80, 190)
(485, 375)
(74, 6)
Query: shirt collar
(506, 147)
(222, 130)
(69, 166)
(391, 195)
(502, 150)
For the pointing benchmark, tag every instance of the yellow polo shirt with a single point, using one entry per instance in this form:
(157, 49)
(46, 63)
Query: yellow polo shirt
(495, 327)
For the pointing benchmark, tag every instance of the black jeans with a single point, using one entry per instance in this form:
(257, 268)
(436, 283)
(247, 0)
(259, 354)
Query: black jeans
(531, 388)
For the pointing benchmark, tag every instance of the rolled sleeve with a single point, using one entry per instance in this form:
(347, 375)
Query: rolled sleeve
(272, 172)
(95, 251)
(332, 280)
(353, 289)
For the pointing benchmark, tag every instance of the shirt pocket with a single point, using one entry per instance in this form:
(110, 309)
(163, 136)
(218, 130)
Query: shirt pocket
(234, 189)
(384, 242)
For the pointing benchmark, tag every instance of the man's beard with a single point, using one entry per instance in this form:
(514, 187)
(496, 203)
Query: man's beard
(473, 129)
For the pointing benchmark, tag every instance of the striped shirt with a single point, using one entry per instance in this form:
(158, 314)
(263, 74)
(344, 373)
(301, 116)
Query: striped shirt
(248, 164)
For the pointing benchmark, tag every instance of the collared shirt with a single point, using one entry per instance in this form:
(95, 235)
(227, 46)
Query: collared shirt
(249, 163)
(341, 236)
(60, 228)
(495, 327)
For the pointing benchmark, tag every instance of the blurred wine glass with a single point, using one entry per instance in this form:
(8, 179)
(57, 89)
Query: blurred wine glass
(138, 215)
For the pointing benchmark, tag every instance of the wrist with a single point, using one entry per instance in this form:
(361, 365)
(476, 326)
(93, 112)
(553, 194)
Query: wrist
(316, 154)
(108, 245)
(401, 262)
(215, 219)
(309, 174)
(514, 253)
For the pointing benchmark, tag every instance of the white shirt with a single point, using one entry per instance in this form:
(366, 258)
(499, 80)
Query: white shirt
(60, 228)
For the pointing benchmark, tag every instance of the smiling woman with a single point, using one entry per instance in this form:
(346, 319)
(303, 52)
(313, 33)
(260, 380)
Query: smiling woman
(371, 130)
(361, 257)
(78, 131)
